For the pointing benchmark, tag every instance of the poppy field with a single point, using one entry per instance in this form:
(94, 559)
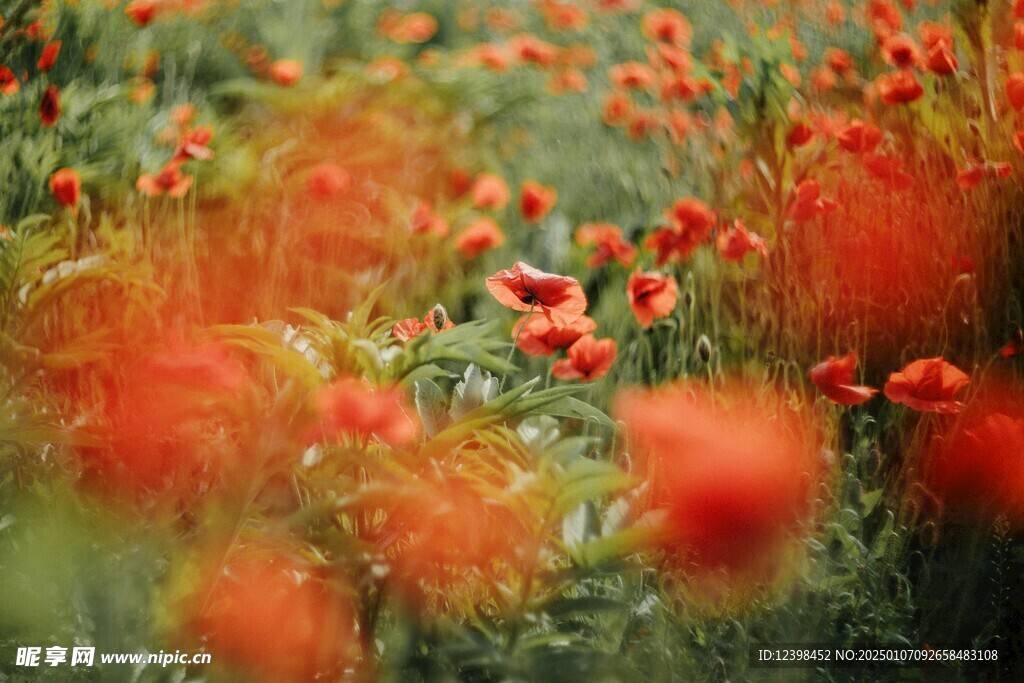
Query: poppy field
(511, 340)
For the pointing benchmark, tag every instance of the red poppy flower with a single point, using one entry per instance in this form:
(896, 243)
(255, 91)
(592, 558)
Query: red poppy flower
(523, 288)
(535, 335)
(169, 180)
(691, 222)
(928, 385)
(942, 60)
(617, 110)
(808, 202)
(838, 60)
(729, 482)
(735, 242)
(327, 180)
(610, 245)
(193, 144)
(589, 359)
(141, 12)
(479, 236)
(859, 137)
(412, 327)
(901, 51)
(66, 188)
(350, 406)
(800, 134)
(494, 57)
(271, 615)
(48, 56)
(631, 76)
(900, 87)
(667, 26)
(490, 192)
(417, 27)
(1015, 346)
(889, 170)
(834, 379)
(1018, 9)
(286, 72)
(49, 107)
(425, 221)
(933, 34)
(651, 295)
(1015, 90)
(9, 84)
(533, 50)
(536, 200)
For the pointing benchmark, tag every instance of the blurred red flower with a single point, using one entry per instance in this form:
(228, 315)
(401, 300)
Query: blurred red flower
(350, 406)
(651, 295)
(589, 359)
(900, 87)
(479, 236)
(9, 84)
(49, 106)
(490, 192)
(524, 288)
(535, 335)
(607, 237)
(928, 385)
(631, 76)
(729, 481)
(327, 180)
(169, 180)
(426, 221)
(667, 26)
(691, 222)
(286, 72)
(273, 616)
(416, 27)
(800, 134)
(141, 12)
(48, 56)
(412, 327)
(859, 137)
(536, 200)
(834, 379)
(736, 241)
(1015, 90)
(66, 188)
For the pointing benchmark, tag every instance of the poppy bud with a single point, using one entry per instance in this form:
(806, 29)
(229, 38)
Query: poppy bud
(440, 316)
(704, 348)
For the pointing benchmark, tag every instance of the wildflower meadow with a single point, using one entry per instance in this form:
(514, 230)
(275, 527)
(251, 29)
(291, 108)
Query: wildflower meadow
(511, 340)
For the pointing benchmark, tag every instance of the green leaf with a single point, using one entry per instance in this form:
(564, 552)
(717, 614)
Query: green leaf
(430, 405)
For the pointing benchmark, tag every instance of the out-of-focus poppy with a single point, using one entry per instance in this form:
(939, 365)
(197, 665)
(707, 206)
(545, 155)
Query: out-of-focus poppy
(736, 241)
(494, 57)
(834, 378)
(889, 170)
(927, 385)
(691, 222)
(490, 191)
(48, 56)
(589, 359)
(942, 60)
(859, 137)
(651, 295)
(66, 188)
(838, 60)
(194, 144)
(631, 76)
(610, 245)
(531, 49)
(568, 80)
(1015, 346)
(524, 288)
(416, 27)
(479, 236)
(286, 72)
(729, 482)
(536, 200)
(800, 134)
(141, 12)
(350, 406)
(327, 180)
(900, 87)
(808, 202)
(668, 26)
(170, 181)
(1015, 90)
(49, 106)
(617, 110)
(535, 335)
(270, 614)
(426, 221)
(563, 16)
(901, 51)
(9, 84)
